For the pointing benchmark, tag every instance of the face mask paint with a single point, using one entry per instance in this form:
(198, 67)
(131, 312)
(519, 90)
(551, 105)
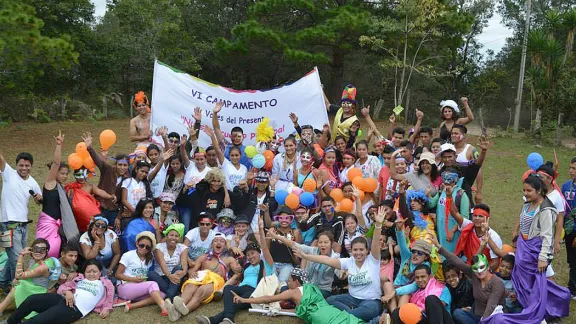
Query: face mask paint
(481, 265)
(449, 178)
(306, 158)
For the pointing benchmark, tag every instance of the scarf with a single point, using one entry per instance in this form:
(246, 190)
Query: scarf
(434, 287)
(469, 243)
(68, 221)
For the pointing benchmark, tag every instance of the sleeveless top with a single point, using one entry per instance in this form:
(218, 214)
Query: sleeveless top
(51, 203)
(280, 252)
(334, 181)
(461, 157)
(445, 133)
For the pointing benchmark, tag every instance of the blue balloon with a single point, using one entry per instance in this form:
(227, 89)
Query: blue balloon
(307, 199)
(281, 196)
(534, 160)
(258, 161)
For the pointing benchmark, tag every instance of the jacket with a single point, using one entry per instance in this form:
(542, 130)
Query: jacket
(107, 300)
(246, 202)
(543, 226)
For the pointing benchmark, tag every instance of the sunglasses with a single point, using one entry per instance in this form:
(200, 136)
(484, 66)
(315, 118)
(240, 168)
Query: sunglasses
(174, 141)
(225, 220)
(205, 224)
(144, 246)
(100, 225)
(419, 253)
(284, 218)
(39, 249)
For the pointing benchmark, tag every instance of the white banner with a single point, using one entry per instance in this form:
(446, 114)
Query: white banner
(175, 94)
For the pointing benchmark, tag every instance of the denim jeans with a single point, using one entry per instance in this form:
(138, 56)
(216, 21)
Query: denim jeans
(19, 235)
(364, 309)
(110, 215)
(166, 286)
(186, 218)
(461, 316)
(283, 270)
(230, 307)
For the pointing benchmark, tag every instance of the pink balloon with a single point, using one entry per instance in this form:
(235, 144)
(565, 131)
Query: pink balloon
(297, 191)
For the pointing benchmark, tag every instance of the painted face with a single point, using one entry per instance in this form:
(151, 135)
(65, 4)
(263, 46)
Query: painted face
(153, 155)
(449, 178)
(452, 278)
(418, 257)
(237, 138)
(23, 168)
(425, 138)
(421, 277)
(215, 185)
(235, 156)
(173, 143)
(359, 252)
(212, 158)
(456, 136)
(306, 158)
(121, 168)
(328, 208)
(69, 257)
(435, 148)
(426, 167)
(142, 173)
(92, 272)
(289, 147)
(325, 245)
(330, 159)
(307, 135)
(340, 145)
(505, 269)
(62, 175)
(274, 145)
(241, 229)
(148, 210)
(350, 225)
(362, 151)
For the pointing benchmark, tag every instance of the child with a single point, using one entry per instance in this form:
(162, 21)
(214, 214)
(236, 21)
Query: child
(225, 220)
(393, 185)
(460, 290)
(386, 265)
(68, 258)
(505, 273)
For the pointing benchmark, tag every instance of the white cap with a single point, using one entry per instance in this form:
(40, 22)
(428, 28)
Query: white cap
(447, 147)
(449, 103)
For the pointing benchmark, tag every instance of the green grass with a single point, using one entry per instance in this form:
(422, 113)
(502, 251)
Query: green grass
(503, 170)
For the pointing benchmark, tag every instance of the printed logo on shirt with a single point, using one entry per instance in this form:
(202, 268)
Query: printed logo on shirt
(235, 179)
(88, 286)
(140, 272)
(569, 195)
(360, 279)
(211, 204)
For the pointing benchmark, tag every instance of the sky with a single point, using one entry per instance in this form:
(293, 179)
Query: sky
(493, 36)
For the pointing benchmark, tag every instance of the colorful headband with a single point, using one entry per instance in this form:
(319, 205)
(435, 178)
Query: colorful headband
(349, 155)
(416, 194)
(300, 273)
(99, 218)
(81, 174)
(140, 97)
(400, 158)
(123, 161)
(480, 212)
(179, 228)
(545, 174)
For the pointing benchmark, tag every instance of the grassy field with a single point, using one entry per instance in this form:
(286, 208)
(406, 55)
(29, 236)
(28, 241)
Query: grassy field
(503, 170)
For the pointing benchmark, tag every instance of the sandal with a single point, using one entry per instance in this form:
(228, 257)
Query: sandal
(127, 307)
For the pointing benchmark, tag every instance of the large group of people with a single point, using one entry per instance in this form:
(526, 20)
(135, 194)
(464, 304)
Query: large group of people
(386, 227)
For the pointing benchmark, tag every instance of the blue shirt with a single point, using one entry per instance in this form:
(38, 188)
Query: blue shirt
(569, 191)
(251, 274)
(307, 236)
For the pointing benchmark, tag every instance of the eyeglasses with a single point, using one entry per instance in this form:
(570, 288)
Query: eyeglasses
(144, 246)
(39, 249)
(284, 218)
(205, 224)
(100, 225)
(419, 253)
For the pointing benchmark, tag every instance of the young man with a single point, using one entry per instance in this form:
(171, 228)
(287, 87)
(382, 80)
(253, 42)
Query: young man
(198, 239)
(408, 155)
(140, 131)
(236, 136)
(17, 188)
(384, 175)
(326, 220)
(569, 191)
(425, 136)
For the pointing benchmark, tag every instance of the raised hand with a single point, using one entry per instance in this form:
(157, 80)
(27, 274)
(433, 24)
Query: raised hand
(484, 144)
(60, 138)
(464, 101)
(273, 181)
(392, 119)
(365, 111)
(209, 131)
(379, 217)
(218, 107)
(419, 114)
(293, 118)
(325, 128)
(197, 114)
(86, 137)
(166, 155)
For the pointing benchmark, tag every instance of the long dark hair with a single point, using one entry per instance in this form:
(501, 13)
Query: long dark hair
(454, 113)
(535, 182)
(148, 255)
(142, 164)
(172, 173)
(434, 173)
(139, 209)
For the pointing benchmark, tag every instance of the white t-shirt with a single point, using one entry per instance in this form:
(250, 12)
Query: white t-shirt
(197, 246)
(15, 195)
(254, 224)
(192, 173)
(364, 283)
(109, 236)
(134, 266)
(172, 261)
(157, 185)
(556, 198)
(87, 295)
(136, 191)
(493, 235)
(233, 175)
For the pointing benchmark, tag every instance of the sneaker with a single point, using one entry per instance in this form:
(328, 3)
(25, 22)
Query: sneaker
(180, 306)
(385, 318)
(201, 319)
(217, 295)
(119, 302)
(173, 314)
(164, 312)
(227, 321)
(127, 307)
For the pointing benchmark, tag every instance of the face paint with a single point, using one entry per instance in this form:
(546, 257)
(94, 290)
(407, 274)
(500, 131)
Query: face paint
(306, 158)
(481, 265)
(449, 178)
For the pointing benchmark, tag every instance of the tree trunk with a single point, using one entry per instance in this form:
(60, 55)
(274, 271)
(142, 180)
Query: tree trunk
(63, 103)
(538, 124)
(105, 106)
(336, 75)
(559, 130)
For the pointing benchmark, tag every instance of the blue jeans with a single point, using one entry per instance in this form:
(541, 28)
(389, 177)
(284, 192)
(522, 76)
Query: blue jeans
(364, 309)
(186, 218)
(166, 286)
(19, 234)
(283, 270)
(462, 316)
(110, 215)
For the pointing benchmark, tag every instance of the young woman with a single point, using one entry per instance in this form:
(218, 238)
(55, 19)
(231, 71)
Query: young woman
(175, 175)
(157, 180)
(363, 297)
(548, 177)
(171, 261)
(234, 171)
(285, 164)
(141, 220)
(199, 239)
(488, 289)
(136, 188)
(255, 269)
(164, 216)
(368, 164)
(348, 160)
(340, 145)
(427, 177)
(411, 207)
(132, 274)
(449, 116)
(56, 209)
(33, 281)
(85, 293)
(321, 275)
(284, 258)
(102, 244)
(197, 171)
(329, 172)
(306, 170)
(541, 298)
(353, 230)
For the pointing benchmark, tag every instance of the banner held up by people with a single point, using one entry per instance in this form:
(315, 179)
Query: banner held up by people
(175, 94)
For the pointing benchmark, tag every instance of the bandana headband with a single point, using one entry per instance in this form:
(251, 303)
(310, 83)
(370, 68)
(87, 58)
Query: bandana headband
(300, 273)
(99, 218)
(480, 212)
(349, 155)
(123, 161)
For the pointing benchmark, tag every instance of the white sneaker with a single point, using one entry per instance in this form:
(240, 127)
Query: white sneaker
(201, 319)
(173, 314)
(180, 306)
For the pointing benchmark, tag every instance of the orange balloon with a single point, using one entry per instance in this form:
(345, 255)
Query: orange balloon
(81, 150)
(268, 165)
(337, 194)
(107, 139)
(362, 195)
(410, 313)
(89, 163)
(292, 201)
(353, 173)
(370, 184)
(347, 205)
(309, 185)
(75, 161)
(507, 248)
(269, 155)
(358, 182)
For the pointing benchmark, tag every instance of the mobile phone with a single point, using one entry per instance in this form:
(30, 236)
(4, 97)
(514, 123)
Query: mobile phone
(31, 192)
